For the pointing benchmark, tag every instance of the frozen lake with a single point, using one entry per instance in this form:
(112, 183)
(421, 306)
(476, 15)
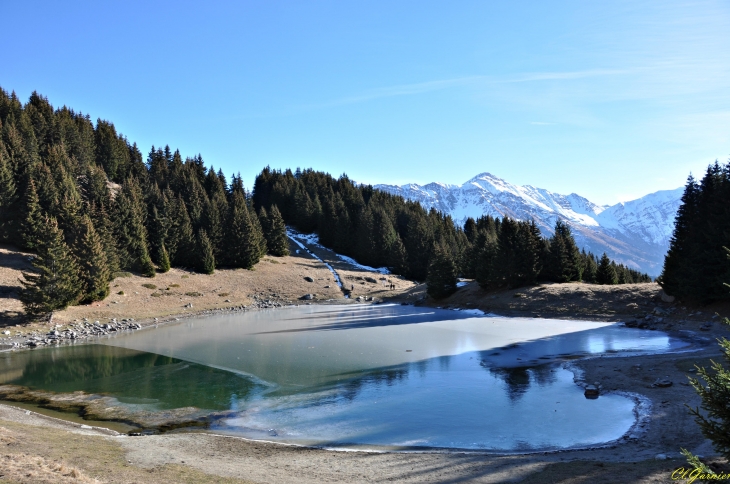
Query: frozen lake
(360, 376)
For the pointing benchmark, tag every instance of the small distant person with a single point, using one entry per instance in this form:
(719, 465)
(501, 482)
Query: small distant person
(352, 287)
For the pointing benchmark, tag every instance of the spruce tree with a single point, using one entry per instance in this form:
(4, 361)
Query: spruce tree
(8, 196)
(32, 224)
(205, 257)
(92, 262)
(681, 273)
(104, 227)
(164, 259)
(244, 234)
(265, 224)
(277, 240)
(606, 272)
(564, 255)
(441, 279)
(7, 181)
(54, 284)
(130, 232)
(590, 267)
(180, 239)
(715, 394)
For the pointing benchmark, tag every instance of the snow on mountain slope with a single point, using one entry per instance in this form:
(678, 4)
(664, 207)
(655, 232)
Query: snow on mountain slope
(635, 233)
(651, 217)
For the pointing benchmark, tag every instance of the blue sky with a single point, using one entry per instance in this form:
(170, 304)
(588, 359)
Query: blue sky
(611, 100)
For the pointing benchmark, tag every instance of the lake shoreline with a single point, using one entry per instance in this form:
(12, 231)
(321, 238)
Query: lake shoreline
(665, 427)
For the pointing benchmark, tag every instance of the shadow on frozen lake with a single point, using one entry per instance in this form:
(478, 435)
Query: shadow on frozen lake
(388, 377)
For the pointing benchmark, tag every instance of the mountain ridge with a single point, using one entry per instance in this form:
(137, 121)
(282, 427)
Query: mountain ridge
(635, 233)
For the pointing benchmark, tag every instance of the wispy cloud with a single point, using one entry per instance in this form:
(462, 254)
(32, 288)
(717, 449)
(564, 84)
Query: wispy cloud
(401, 90)
(563, 76)
(441, 84)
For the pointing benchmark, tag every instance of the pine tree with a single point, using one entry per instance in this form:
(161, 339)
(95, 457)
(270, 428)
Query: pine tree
(606, 272)
(7, 180)
(54, 284)
(164, 259)
(33, 220)
(92, 262)
(244, 238)
(130, 232)
(715, 394)
(681, 273)
(441, 279)
(180, 239)
(277, 240)
(8, 196)
(564, 255)
(206, 259)
(589, 267)
(265, 223)
(105, 229)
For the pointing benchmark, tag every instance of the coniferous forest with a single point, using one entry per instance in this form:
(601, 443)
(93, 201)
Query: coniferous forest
(383, 230)
(90, 204)
(696, 268)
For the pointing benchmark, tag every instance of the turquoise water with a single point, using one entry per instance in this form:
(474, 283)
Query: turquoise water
(359, 376)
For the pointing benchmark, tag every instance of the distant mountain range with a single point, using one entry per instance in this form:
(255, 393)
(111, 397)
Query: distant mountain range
(635, 233)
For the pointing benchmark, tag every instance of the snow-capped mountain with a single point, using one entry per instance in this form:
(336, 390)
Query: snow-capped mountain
(635, 233)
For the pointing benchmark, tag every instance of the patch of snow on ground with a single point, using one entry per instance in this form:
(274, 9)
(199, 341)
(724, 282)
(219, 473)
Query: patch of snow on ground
(292, 235)
(313, 239)
(462, 283)
(350, 260)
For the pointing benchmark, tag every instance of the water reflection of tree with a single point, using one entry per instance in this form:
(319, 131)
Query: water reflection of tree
(518, 380)
(385, 376)
(127, 373)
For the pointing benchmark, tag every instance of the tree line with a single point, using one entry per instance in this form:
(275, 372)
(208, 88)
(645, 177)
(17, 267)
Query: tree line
(83, 198)
(384, 230)
(696, 265)
(89, 204)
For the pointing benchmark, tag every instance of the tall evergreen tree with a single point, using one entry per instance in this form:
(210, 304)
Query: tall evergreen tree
(32, 224)
(164, 259)
(563, 263)
(206, 259)
(94, 272)
(8, 196)
(606, 272)
(54, 284)
(244, 237)
(130, 231)
(276, 239)
(441, 279)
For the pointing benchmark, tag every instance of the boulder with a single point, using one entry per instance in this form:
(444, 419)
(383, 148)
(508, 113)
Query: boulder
(370, 279)
(308, 297)
(591, 391)
(662, 383)
(666, 297)
(308, 279)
